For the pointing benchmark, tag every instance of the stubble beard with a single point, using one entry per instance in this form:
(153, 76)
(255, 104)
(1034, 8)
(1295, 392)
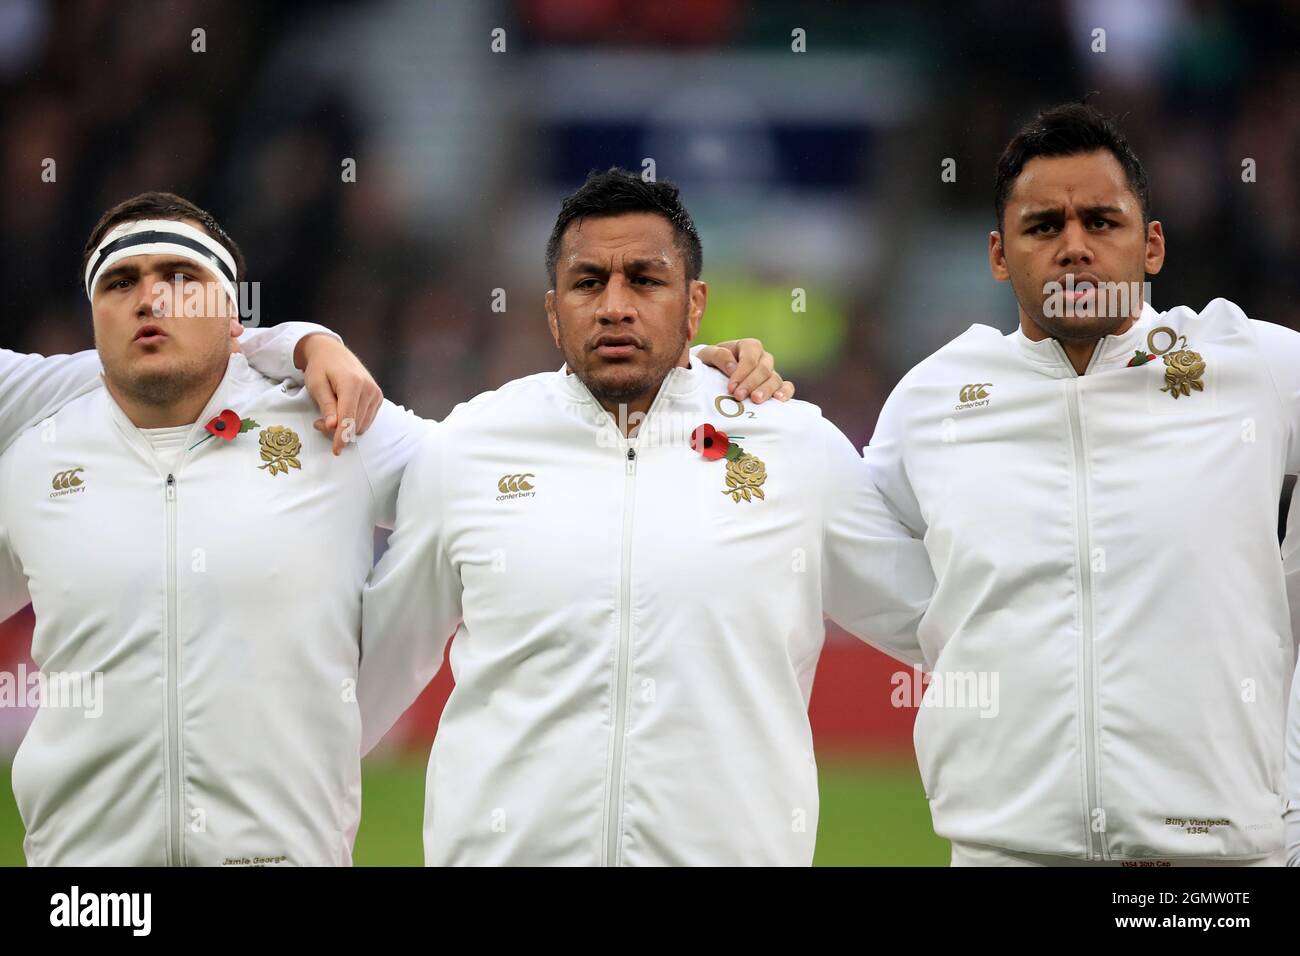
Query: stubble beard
(165, 387)
(619, 390)
(1073, 328)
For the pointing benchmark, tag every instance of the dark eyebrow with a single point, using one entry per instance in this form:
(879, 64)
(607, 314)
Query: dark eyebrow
(1042, 215)
(1103, 211)
(1055, 213)
(646, 265)
(129, 270)
(587, 267)
(122, 271)
(177, 265)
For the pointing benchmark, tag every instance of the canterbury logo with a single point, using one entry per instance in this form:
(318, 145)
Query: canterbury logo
(510, 484)
(64, 480)
(67, 483)
(973, 393)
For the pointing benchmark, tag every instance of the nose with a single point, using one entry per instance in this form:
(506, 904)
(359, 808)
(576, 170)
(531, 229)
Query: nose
(617, 303)
(154, 298)
(1074, 250)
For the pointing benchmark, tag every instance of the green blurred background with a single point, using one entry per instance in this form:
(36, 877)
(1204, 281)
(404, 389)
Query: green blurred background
(872, 814)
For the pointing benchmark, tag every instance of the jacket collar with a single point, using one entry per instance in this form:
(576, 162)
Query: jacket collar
(226, 394)
(677, 394)
(1113, 351)
(679, 384)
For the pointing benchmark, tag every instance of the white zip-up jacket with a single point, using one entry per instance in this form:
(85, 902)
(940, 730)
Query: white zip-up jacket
(635, 635)
(219, 596)
(1110, 553)
(33, 387)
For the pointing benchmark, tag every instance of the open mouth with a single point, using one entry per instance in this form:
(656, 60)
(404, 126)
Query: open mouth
(149, 335)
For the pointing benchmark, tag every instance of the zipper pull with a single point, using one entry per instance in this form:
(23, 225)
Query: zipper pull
(171, 487)
(631, 461)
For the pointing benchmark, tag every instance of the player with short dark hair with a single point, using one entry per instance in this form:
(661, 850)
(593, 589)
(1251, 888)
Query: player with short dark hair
(1098, 494)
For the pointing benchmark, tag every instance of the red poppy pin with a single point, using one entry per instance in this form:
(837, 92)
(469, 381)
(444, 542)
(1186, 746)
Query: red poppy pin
(1140, 358)
(226, 426)
(710, 442)
(745, 473)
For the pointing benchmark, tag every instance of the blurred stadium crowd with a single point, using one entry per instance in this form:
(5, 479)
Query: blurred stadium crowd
(818, 170)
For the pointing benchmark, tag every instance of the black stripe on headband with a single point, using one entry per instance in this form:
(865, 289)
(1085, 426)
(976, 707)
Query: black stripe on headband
(175, 238)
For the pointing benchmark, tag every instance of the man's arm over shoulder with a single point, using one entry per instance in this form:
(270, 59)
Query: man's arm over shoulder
(411, 605)
(876, 576)
(1279, 349)
(34, 387)
(1291, 816)
(886, 462)
(13, 580)
(386, 449)
(271, 350)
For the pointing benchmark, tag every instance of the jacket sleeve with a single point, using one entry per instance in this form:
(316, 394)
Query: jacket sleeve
(1280, 353)
(13, 580)
(1291, 817)
(34, 387)
(887, 466)
(270, 350)
(386, 449)
(411, 605)
(1291, 569)
(876, 576)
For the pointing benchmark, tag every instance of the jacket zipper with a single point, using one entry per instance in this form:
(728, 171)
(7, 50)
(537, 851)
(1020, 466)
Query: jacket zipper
(614, 812)
(175, 855)
(1092, 799)
(622, 661)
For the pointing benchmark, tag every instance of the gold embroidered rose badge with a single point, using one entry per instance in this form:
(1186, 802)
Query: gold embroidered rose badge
(1183, 371)
(280, 447)
(1183, 367)
(745, 473)
(745, 477)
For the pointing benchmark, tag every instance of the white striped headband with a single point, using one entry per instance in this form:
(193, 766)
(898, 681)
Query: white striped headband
(152, 237)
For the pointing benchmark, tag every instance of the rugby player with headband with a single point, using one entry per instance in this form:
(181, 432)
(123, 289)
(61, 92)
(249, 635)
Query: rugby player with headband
(34, 387)
(165, 237)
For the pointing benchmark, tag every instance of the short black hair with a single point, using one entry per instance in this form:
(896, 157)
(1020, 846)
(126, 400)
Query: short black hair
(1067, 130)
(158, 205)
(618, 191)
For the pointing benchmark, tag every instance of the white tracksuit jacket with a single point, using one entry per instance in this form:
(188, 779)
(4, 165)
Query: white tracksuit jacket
(1110, 553)
(33, 387)
(634, 648)
(220, 598)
